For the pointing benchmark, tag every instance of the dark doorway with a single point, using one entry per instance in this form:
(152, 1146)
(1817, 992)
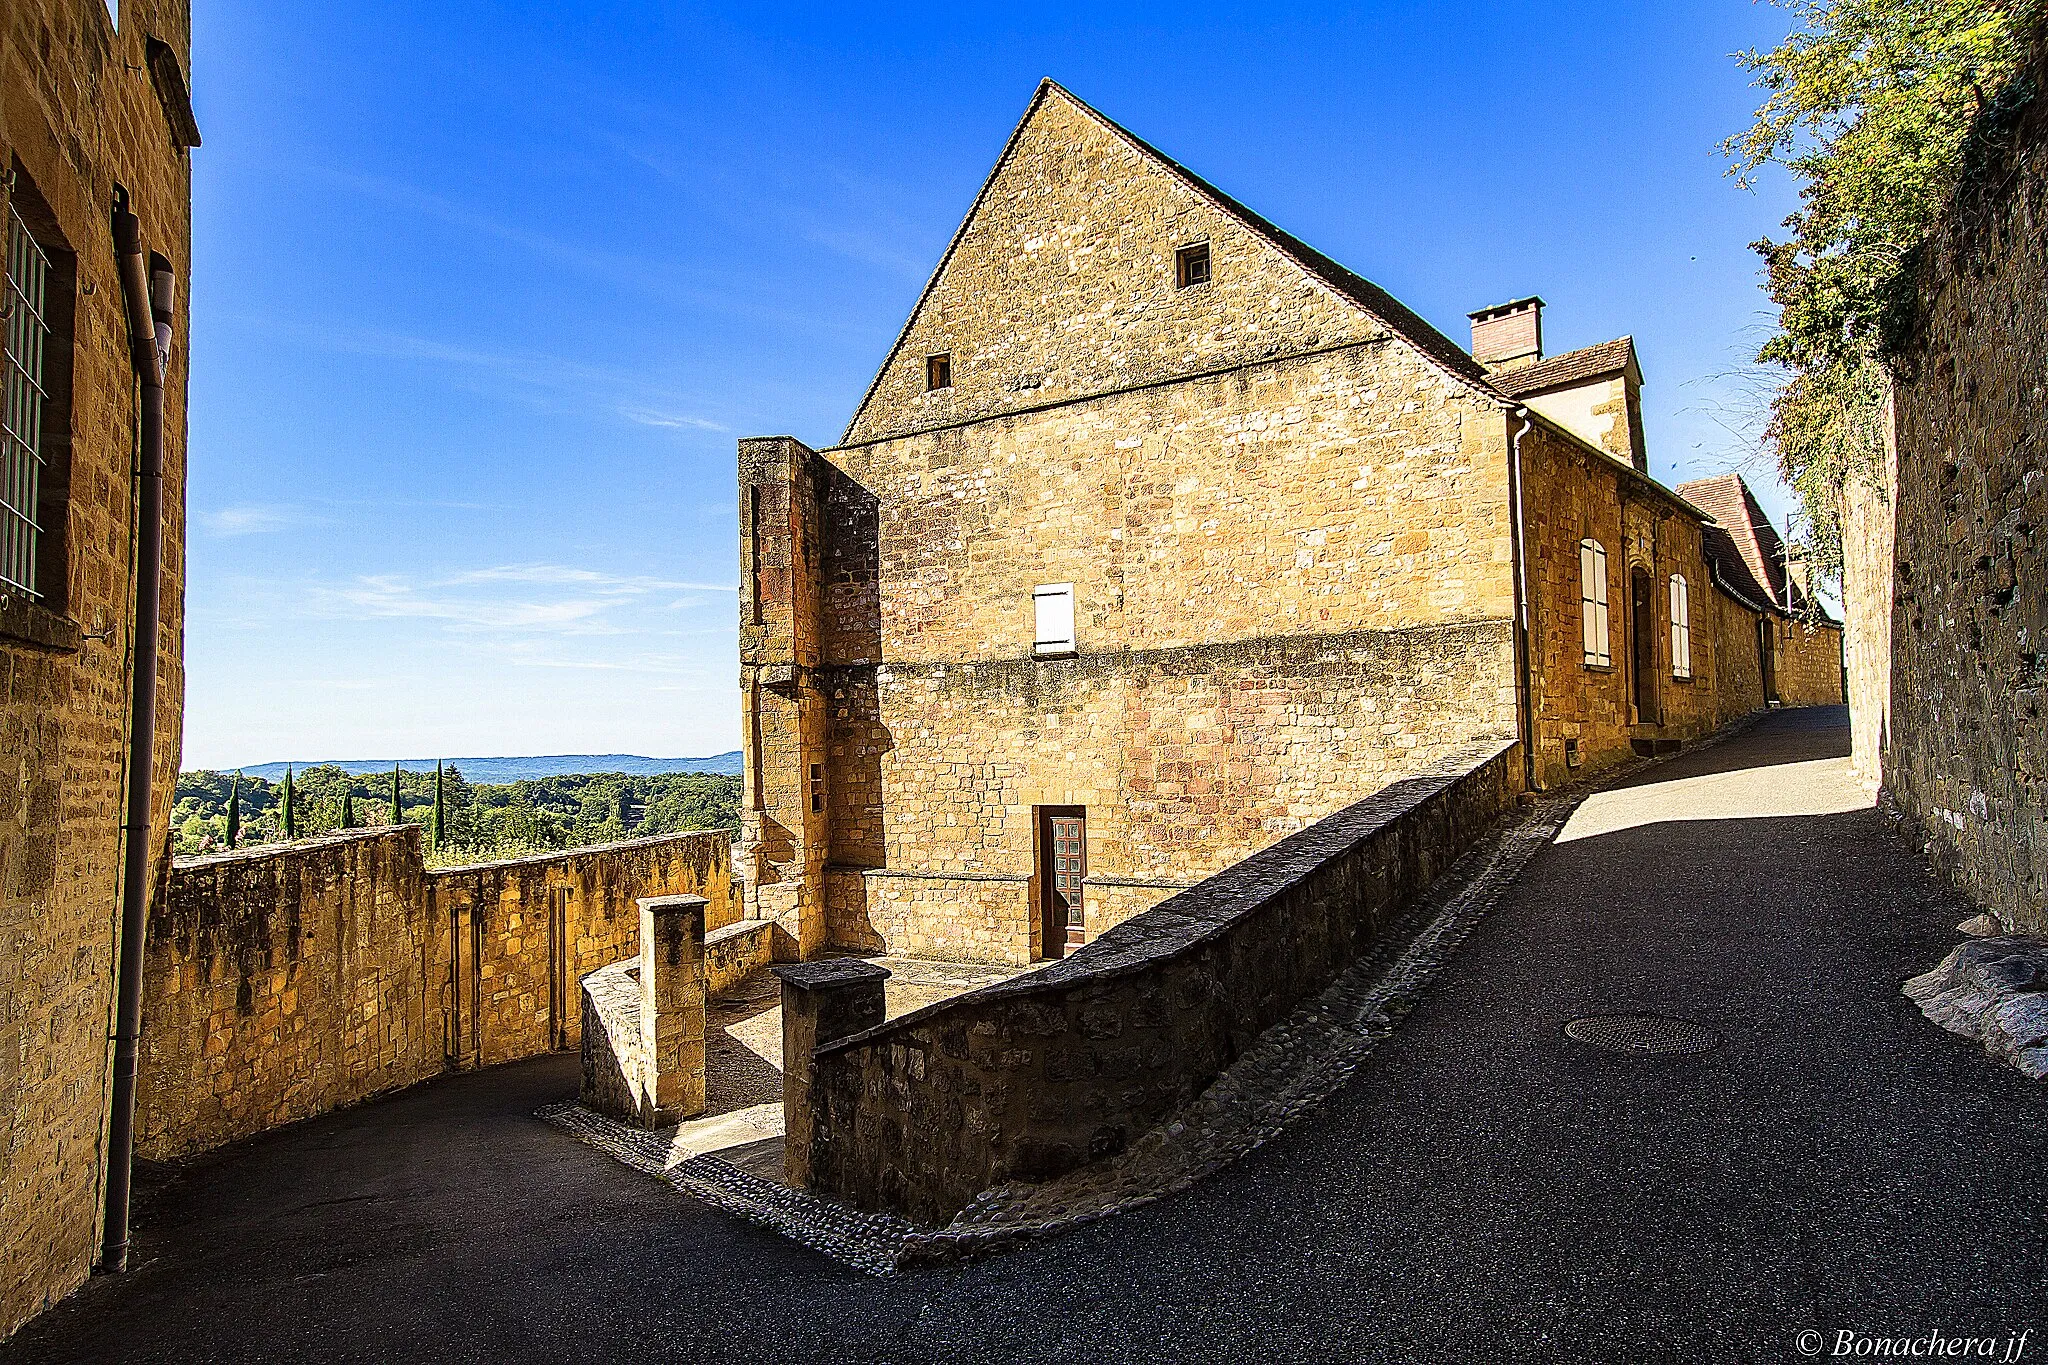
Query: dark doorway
(1062, 864)
(1643, 647)
(1766, 659)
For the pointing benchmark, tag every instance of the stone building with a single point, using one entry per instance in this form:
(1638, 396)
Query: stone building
(1159, 535)
(93, 112)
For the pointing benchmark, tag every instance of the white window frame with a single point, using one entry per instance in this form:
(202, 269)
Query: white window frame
(1593, 616)
(1052, 613)
(1681, 627)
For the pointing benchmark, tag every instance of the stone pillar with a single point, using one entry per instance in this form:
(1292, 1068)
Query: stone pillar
(822, 1002)
(672, 1008)
(784, 821)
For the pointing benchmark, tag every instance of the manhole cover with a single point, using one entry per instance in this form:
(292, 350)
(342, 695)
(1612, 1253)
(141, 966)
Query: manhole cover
(1641, 1033)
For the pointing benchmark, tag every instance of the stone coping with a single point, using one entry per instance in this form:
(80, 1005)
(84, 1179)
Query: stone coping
(312, 843)
(738, 929)
(562, 854)
(331, 838)
(831, 973)
(1210, 908)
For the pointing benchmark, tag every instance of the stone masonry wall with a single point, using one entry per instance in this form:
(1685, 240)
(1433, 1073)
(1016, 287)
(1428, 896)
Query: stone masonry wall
(1037, 1076)
(1809, 666)
(79, 114)
(1263, 636)
(284, 982)
(1968, 757)
(1062, 285)
(1573, 494)
(1867, 559)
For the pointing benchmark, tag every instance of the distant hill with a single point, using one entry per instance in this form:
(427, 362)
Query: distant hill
(489, 770)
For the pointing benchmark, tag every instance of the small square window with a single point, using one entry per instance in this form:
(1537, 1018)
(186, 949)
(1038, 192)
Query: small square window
(1191, 265)
(938, 371)
(817, 772)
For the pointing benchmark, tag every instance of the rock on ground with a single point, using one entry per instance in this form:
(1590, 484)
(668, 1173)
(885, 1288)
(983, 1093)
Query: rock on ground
(1994, 990)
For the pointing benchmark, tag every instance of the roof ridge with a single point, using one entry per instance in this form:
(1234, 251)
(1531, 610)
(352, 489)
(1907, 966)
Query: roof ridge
(1378, 304)
(1354, 288)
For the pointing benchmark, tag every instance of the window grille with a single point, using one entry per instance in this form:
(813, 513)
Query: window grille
(1053, 606)
(1593, 603)
(1681, 628)
(1191, 265)
(21, 410)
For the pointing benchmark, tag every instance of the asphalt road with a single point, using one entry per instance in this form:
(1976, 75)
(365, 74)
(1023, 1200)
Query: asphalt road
(1483, 1189)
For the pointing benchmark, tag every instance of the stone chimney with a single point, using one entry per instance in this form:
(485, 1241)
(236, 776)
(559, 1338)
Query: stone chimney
(1508, 334)
(1796, 576)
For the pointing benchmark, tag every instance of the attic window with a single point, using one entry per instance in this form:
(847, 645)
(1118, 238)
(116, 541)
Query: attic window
(1191, 265)
(938, 371)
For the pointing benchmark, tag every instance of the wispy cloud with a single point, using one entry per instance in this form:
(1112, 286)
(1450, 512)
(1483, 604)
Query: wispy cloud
(618, 394)
(647, 417)
(251, 519)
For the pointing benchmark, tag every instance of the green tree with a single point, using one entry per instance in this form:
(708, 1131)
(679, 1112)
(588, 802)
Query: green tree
(1878, 108)
(439, 830)
(287, 823)
(348, 810)
(235, 810)
(397, 802)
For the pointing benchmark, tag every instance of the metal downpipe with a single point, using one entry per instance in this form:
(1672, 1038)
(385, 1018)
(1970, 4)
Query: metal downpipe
(149, 296)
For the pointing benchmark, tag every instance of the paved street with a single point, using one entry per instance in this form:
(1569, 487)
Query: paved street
(1483, 1189)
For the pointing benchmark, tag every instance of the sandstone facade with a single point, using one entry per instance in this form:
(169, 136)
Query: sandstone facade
(1967, 751)
(84, 107)
(1303, 545)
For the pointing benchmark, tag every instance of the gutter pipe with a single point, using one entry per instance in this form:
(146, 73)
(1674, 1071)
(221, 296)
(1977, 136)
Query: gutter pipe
(148, 289)
(1525, 703)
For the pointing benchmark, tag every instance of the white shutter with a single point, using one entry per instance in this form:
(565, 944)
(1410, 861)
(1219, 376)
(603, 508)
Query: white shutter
(1681, 628)
(1593, 602)
(1053, 606)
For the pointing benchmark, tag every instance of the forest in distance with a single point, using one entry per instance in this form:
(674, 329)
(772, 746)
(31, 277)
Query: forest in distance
(480, 822)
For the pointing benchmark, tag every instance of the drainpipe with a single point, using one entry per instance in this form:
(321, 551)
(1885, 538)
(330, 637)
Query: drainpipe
(1524, 703)
(148, 289)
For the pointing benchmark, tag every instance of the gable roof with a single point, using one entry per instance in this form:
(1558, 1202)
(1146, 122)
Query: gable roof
(1376, 302)
(1745, 550)
(1563, 371)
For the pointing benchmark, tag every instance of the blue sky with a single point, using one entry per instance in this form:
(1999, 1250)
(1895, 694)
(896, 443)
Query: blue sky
(483, 295)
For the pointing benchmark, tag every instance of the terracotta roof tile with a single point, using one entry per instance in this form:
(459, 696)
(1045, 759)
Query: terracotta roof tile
(1746, 549)
(1573, 367)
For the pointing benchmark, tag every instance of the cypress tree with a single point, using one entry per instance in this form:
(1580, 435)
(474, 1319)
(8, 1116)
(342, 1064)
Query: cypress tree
(397, 811)
(235, 809)
(440, 826)
(287, 826)
(348, 810)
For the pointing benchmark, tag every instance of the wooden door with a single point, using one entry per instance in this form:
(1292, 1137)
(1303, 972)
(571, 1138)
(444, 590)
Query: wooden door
(1062, 868)
(1643, 648)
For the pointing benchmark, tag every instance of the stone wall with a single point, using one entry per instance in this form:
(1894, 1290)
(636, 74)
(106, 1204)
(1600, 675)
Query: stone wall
(1809, 662)
(1968, 753)
(1062, 284)
(79, 114)
(1867, 559)
(1037, 1076)
(1252, 652)
(1573, 494)
(283, 982)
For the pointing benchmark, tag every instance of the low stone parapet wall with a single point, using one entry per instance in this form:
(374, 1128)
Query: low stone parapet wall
(287, 981)
(1040, 1075)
